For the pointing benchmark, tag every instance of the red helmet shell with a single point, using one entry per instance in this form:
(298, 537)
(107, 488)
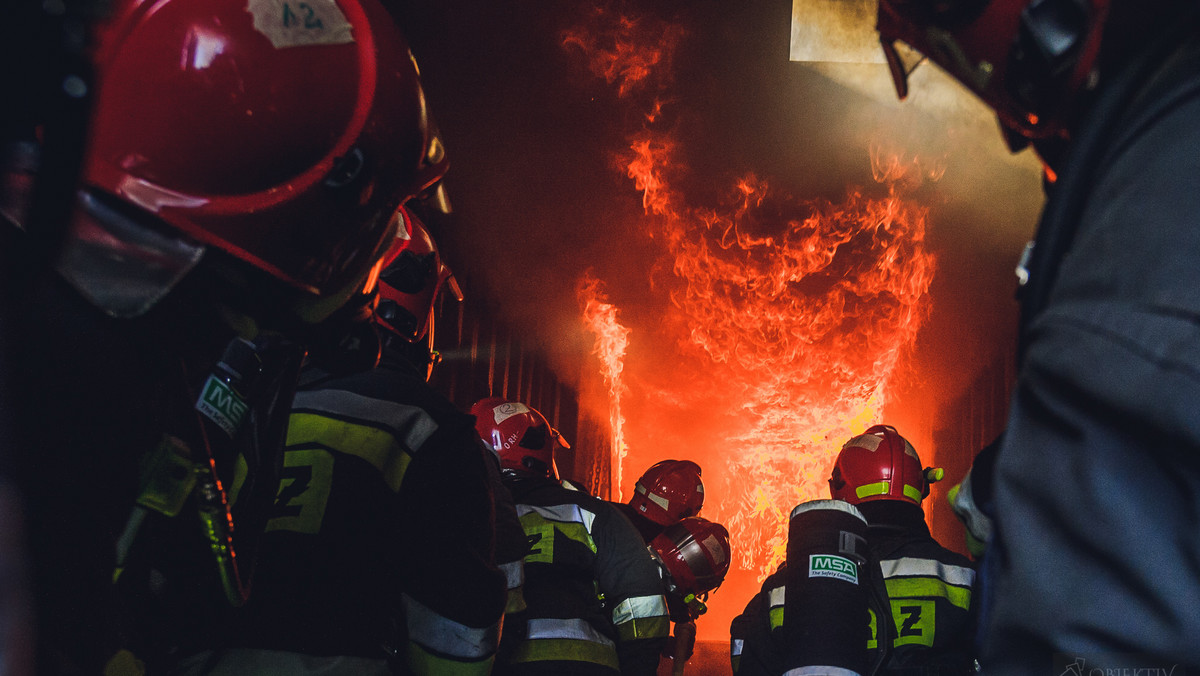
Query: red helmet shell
(695, 553)
(879, 464)
(285, 134)
(669, 491)
(412, 276)
(983, 44)
(520, 435)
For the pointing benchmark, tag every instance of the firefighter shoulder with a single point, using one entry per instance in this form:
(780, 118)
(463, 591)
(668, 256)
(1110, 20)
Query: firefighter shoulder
(220, 212)
(594, 597)
(379, 551)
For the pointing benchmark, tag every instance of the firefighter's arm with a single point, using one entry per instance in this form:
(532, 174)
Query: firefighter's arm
(633, 590)
(968, 500)
(454, 594)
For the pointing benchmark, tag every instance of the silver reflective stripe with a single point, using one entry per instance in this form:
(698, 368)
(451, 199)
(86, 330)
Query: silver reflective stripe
(441, 634)
(561, 513)
(572, 628)
(409, 424)
(735, 646)
(775, 597)
(514, 573)
(659, 500)
(836, 505)
(637, 607)
(913, 567)
(820, 671)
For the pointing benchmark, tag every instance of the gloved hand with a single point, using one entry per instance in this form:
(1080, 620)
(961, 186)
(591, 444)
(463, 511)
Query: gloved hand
(977, 523)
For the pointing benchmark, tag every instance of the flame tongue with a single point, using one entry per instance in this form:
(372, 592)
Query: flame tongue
(612, 340)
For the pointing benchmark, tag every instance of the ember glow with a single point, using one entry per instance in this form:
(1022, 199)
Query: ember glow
(797, 313)
(612, 340)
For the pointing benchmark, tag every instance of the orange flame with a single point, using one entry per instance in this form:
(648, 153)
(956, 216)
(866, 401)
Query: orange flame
(801, 311)
(612, 340)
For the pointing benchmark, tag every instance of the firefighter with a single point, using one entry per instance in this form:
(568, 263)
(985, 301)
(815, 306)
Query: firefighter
(878, 477)
(666, 492)
(594, 595)
(365, 560)
(694, 556)
(222, 211)
(929, 587)
(1095, 478)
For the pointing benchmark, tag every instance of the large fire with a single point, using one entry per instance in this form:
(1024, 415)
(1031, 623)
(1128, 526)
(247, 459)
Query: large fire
(799, 313)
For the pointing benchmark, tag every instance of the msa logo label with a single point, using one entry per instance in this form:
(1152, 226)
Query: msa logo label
(837, 567)
(220, 404)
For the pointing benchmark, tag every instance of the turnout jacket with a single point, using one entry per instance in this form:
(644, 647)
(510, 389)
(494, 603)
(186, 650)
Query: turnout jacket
(929, 590)
(1093, 557)
(382, 535)
(594, 595)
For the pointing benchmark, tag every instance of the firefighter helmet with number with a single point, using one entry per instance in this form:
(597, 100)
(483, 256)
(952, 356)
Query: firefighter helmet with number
(1027, 59)
(520, 435)
(695, 554)
(879, 464)
(284, 134)
(669, 491)
(412, 274)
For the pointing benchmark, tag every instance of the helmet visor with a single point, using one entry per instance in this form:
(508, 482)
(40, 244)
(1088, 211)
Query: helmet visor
(120, 265)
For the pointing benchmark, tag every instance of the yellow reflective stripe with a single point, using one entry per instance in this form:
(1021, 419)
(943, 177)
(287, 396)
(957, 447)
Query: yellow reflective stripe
(916, 621)
(873, 642)
(541, 534)
(567, 650)
(868, 490)
(735, 662)
(775, 598)
(124, 663)
(421, 662)
(376, 446)
(568, 513)
(776, 616)
(411, 425)
(241, 470)
(515, 602)
(303, 491)
(912, 493)
(928, 587)
(648, 627)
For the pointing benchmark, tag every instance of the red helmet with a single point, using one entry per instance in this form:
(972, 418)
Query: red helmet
(879, 464)
(1027, 59)
(412, 275)
(695, 553)
(284, 134)
(520, 435)
(669, 491)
